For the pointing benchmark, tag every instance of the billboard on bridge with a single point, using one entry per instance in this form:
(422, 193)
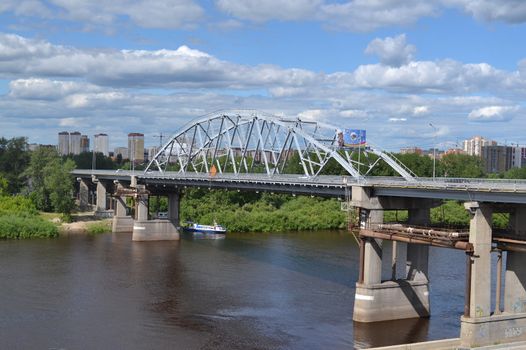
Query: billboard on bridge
(351, 138)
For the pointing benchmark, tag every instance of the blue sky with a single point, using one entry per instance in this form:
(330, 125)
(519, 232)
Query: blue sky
(389, 66)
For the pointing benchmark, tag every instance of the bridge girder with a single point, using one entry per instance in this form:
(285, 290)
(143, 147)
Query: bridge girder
(254, 142)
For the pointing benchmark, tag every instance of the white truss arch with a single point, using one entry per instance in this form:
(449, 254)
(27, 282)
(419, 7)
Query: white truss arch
(254, 142)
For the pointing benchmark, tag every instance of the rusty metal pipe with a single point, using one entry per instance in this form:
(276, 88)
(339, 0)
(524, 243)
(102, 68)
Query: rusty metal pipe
(512, 248)
(462, 245)
(509, 240)
(423, 231)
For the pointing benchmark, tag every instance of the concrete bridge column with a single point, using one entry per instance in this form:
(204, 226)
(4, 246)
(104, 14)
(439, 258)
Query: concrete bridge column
(102, 201)
(372, 262)
(417, 254)
(142, 208)
(121, 221)
(101, 196)
(83, 194)
(155, 230)
(475, 327)
(515, 275)
(174, 206)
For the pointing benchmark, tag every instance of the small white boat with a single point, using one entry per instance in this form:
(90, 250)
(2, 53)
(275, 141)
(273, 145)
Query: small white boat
(198, 228)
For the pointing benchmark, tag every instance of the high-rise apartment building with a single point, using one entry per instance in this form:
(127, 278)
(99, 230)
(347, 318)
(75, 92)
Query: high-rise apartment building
(498, 159)
(74, 142)
(136, 147)
(84, 144)
(63, 143)
(101, 144)
(473, 146)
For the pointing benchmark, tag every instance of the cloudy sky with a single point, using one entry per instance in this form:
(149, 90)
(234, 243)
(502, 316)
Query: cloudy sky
(389, 66)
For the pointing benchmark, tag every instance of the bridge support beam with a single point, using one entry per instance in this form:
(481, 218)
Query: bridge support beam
(174, 206)
(83, 194)
(154, 230)
(515, 275)
(478, 326)
(121, 221)
(102, 201)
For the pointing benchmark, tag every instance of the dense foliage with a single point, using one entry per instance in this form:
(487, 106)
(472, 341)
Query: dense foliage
(50, 181)
(266, 212)
(14, 159)
(450, 214)
(19, 219)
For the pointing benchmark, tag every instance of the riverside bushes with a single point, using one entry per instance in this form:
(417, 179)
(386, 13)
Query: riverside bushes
(19, 219)
(99, 227)
(243, 212)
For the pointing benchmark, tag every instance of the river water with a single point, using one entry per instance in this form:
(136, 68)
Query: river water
(247, 291)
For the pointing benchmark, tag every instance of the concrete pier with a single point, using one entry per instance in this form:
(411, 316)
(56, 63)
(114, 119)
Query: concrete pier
(482, 327)
(121, 221)
(155, 230)
(377, 300)
(83, 194)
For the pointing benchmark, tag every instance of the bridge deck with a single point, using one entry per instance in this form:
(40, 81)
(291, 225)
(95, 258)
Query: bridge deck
(484, 190)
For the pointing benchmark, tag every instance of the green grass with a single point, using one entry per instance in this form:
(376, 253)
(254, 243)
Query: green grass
(18, 227)
(99, 227)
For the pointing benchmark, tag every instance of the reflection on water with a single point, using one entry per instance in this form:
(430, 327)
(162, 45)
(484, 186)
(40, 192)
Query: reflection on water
(245, 291)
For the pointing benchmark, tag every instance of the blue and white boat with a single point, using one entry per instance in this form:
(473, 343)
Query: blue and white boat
(198, 228)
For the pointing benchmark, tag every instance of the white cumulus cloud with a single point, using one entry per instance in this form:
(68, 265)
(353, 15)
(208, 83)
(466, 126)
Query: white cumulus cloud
(392, 51)
(493, 113)
(148, 14)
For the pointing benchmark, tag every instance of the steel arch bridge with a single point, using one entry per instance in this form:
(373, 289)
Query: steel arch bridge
(255, 142)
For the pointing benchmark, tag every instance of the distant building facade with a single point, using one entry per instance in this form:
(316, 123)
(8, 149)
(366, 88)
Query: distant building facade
(123, 151)
(84, 143)
(136, 147)
(473, 146)
(454, 151)
(63, 143)
(411, 150)
(152, 151)
(101, 144)
(497, 159)
(74, 142)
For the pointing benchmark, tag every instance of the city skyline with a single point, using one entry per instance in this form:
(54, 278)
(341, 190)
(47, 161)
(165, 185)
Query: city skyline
(390, 67)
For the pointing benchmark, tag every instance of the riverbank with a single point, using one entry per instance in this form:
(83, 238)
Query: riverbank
(84, 223)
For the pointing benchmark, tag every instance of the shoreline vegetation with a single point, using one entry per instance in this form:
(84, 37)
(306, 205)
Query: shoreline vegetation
(237, 211)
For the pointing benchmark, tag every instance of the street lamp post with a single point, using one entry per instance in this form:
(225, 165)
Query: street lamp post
(434, 149)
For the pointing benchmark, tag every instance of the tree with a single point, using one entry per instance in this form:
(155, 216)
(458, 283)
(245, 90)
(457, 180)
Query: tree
(421, 165)
(36, 173)
(50, 182)
(59, 184)
(14, 159)
(461, 165)
(515, 173)
(4, 185)
(85, 161)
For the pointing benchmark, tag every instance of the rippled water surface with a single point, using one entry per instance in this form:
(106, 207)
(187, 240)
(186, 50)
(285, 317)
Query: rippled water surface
(247, 291)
